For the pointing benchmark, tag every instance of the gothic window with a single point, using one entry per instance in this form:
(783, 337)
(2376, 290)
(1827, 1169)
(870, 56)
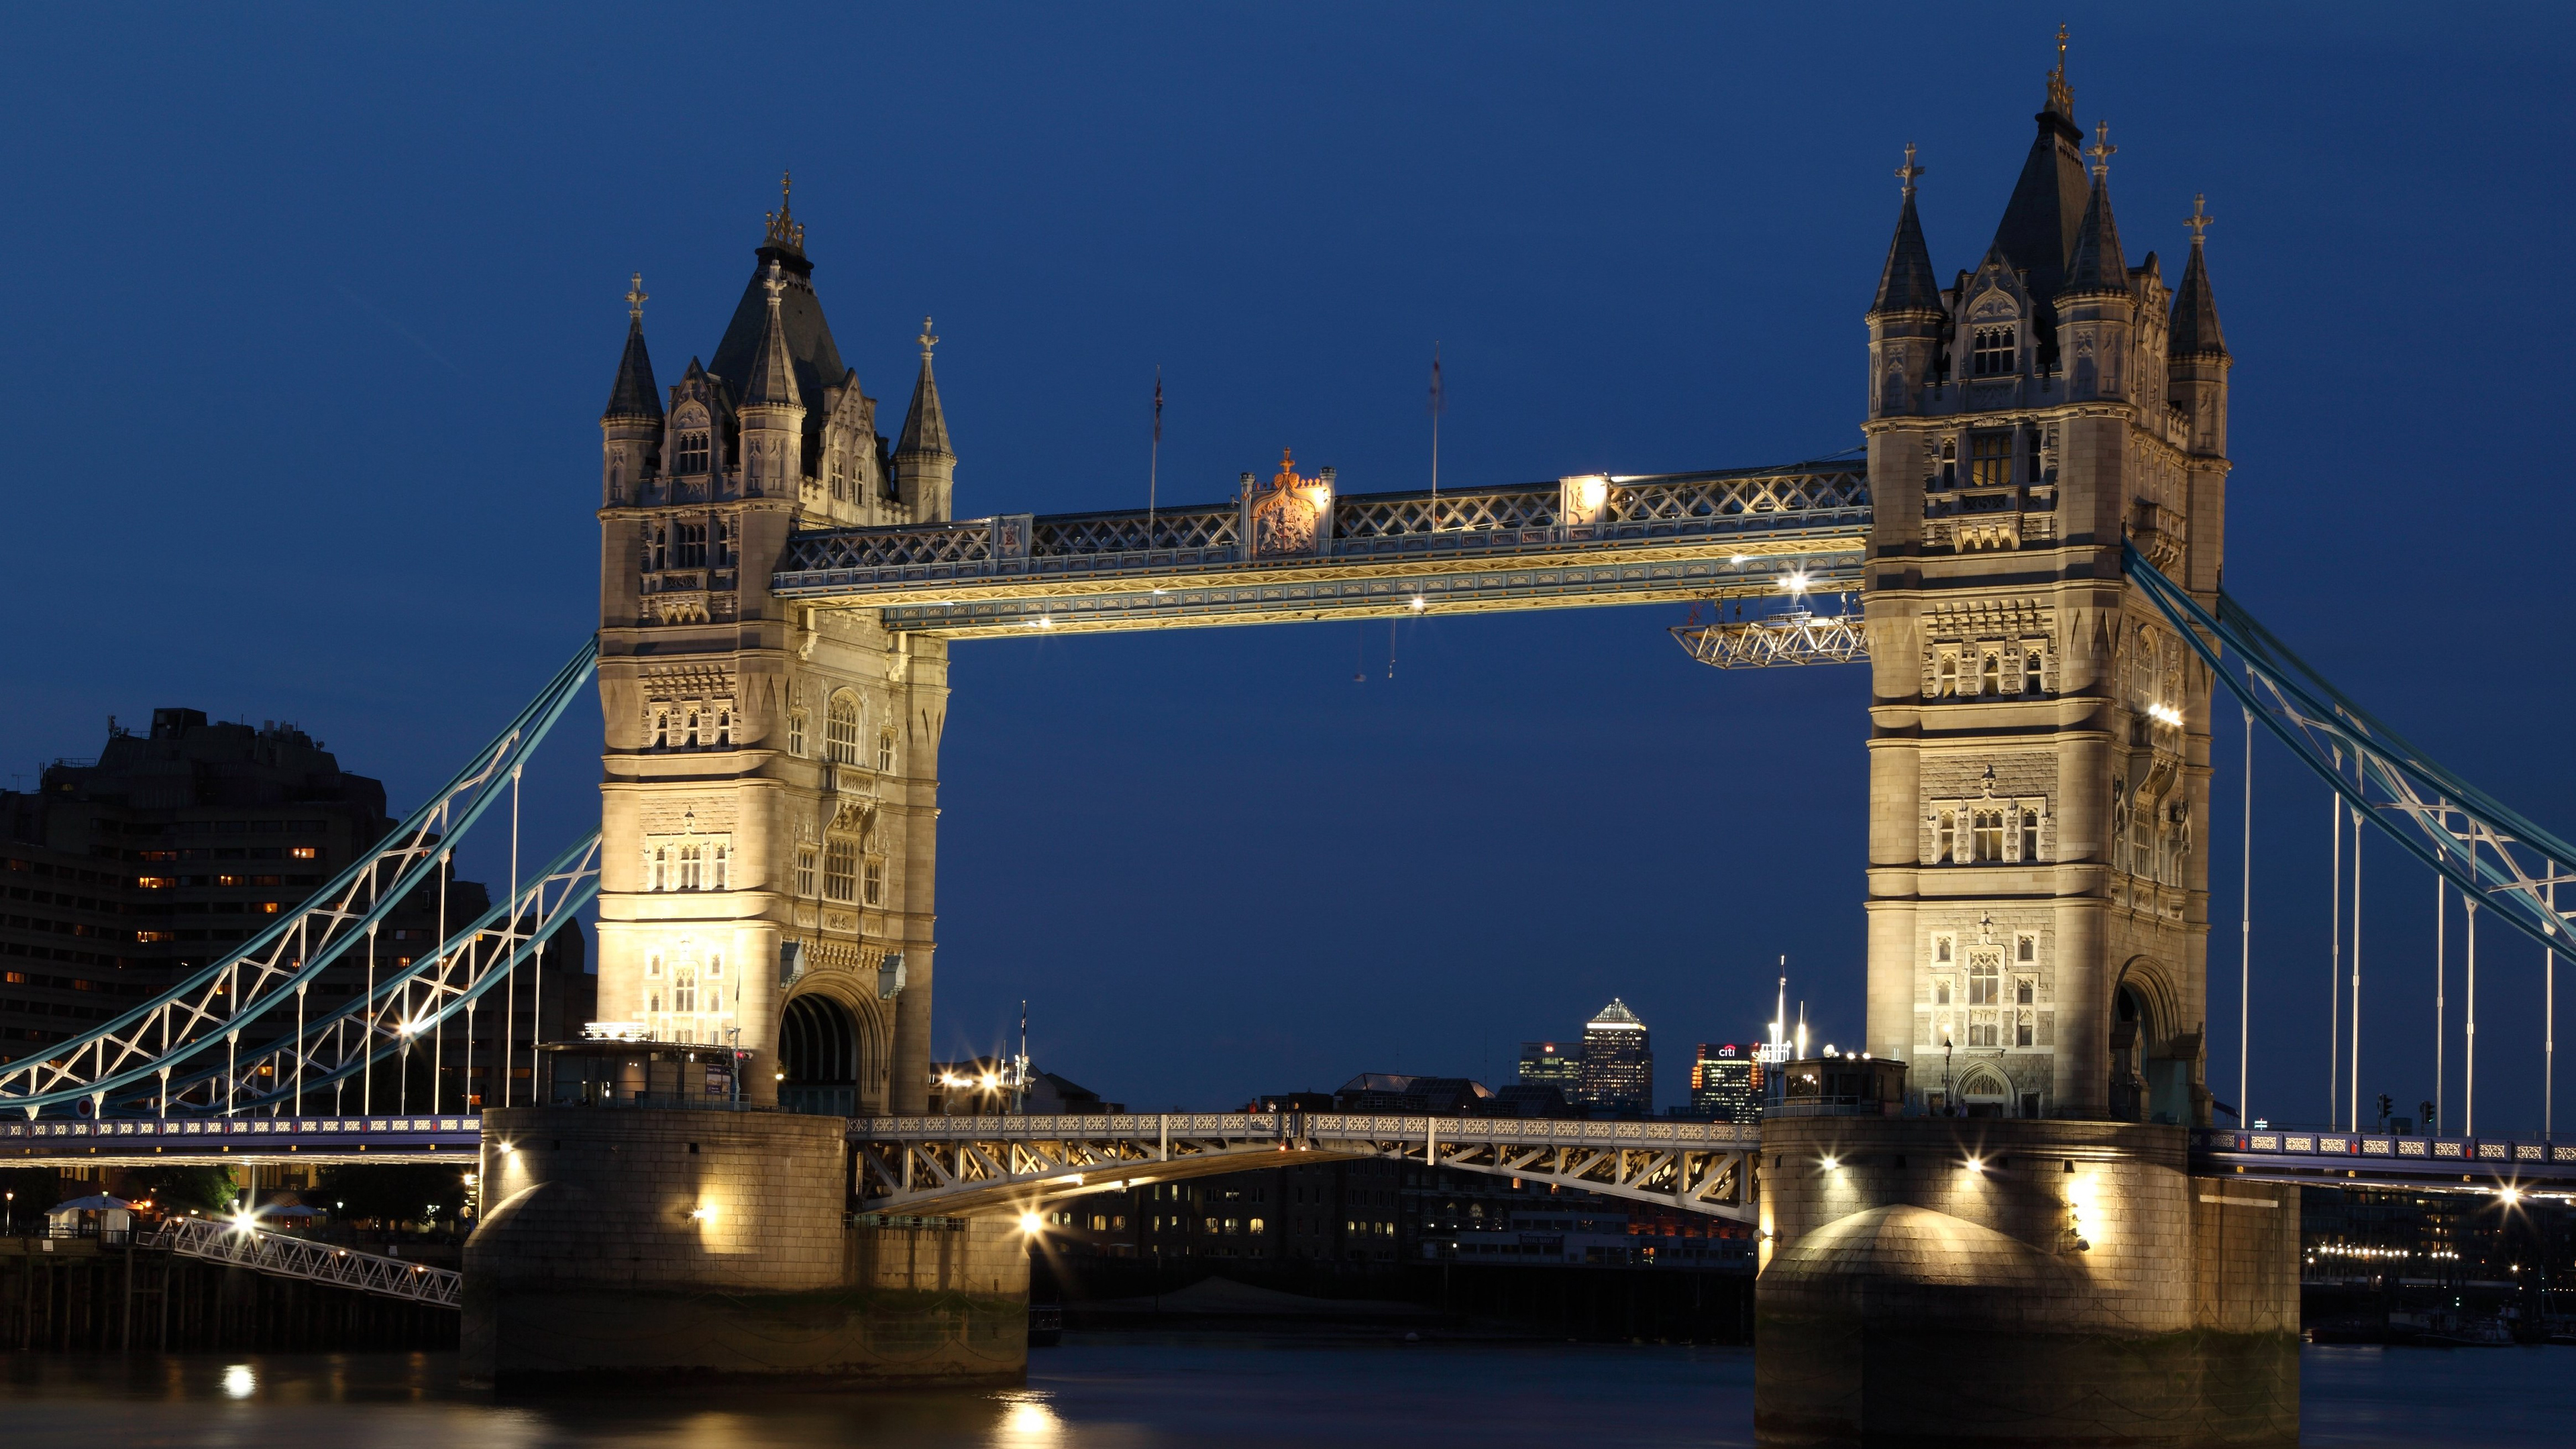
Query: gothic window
(2029, 840)
(885, 752)
(724, 727)
(653, 966)
(693, 452)
(2025, 1028)
(1992, 354)
(661, 868)
(1949, 462)
(684, 987)
(716, 878)
(689, 730)
(726, 542)
(840, 479)
(1989, 844)
(1945, 849)
(2026, 948)
(841, 870)
(656, 537)
(1989, 459)
(1985, 981)
(1981, 1029)
(1942, 949)
(2119, 825)
(2031, 436)
(1945, 677)
(1990, 679)
(1941, 988)
(804, 870)
(872, 882)
(841, 730)
(715, 972)
(2025, 992)
(689, 549)
(2030, 673)
(688, 867)
(661, 728)
(796, 733)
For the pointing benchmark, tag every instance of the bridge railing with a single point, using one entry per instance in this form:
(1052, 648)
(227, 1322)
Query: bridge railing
(2329, 1148)
(282, 1256)
(1306, 1124)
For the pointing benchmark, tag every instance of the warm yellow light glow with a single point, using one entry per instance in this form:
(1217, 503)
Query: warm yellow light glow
(1832, 1162)
(1032, 1224)
(1418, 604)
(1976, 1164)
(703, 1213)
(1795, 582)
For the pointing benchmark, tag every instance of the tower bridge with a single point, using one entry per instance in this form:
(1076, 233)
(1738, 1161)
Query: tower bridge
(2035, 534)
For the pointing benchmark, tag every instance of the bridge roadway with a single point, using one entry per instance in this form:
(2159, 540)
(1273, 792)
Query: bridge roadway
(936, 1166)
(1585, 540)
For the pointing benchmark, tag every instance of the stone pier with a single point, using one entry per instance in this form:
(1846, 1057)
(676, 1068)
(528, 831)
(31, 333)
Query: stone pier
(1951, 1282)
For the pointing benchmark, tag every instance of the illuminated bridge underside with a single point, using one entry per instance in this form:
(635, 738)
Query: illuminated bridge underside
(961, 1166)
(1538, 546)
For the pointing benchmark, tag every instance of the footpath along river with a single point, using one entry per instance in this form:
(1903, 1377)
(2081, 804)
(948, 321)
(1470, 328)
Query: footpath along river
(1141, 1392)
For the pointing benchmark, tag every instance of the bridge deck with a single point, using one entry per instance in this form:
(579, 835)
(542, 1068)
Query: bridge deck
(1563, 544)
(125, 1141)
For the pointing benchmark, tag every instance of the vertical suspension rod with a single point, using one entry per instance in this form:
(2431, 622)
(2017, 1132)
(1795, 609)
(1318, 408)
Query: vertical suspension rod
(2441, 974)
(2352, 1097)
(2334, 949)
(2245, 937)
(2469, 1086)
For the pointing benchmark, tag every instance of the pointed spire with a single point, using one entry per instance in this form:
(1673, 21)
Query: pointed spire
(634, 394)
(2061, 96)
(773, 371)
(2038, 228)
(2195, 309)
(925, 427)
(1906, 283)
(785, 232)
(2097, 264)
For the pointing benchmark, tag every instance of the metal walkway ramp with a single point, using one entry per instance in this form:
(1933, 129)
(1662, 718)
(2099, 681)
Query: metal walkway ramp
(285, 1257)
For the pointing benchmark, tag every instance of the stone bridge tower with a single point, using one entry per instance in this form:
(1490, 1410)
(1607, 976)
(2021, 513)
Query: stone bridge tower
(2039, 751)
(770, 784)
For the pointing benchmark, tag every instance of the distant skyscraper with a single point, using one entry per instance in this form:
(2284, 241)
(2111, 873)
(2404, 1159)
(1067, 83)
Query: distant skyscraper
(1726, 1083)
(1555, 1064)
(1618, 1062)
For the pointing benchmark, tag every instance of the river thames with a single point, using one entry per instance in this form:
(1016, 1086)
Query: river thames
(1146, 1393)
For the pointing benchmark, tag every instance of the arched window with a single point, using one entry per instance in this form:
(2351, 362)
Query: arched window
(841, 730)
(796, 733)
(692, 452)
(885, 752)
(688, 867)
(661, 728)
(2029, 840)
(805, 867)
(2026, 949)
(872, 882)
(1945, 677)
(1990, 680)
(841, 870)
(717, 881)
(1990, 836)
(1945, 843)
(653, 966)
(1985, 982)
(840, 478)
(2030, 673)
(715, 971)
(724, 727)
(689, 730)
(684, 987)
(661, 868)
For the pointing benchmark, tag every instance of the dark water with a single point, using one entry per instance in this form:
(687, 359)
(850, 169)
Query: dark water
(1133, 1393)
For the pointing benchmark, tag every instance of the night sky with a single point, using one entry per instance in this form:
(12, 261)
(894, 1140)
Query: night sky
(317, 312)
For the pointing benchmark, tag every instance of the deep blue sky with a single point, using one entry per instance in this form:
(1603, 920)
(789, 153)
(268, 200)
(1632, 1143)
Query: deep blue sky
(315, 312)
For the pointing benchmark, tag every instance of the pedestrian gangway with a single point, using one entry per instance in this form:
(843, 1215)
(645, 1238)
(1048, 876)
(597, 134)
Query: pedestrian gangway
(281, 1256)
(965, 1165)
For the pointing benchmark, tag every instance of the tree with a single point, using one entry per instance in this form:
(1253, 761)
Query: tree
(177, 1189)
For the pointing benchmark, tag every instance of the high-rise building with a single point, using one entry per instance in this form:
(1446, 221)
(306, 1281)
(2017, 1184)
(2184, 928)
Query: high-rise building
(1726, 1083)
(121, 875)
(1555, 1064)
(1618, 1062)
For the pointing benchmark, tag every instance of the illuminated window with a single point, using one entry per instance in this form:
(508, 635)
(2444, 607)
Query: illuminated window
(1992, 352)
(1990, 460)
(1945, 678)
(841, 730)
(688, 867)
(1990, 680)
(684, 987)
(872, 882)
(693, 452)
(805, 870)
(1989, 843)
(303, 852)
(1985, 982)
(841, 870)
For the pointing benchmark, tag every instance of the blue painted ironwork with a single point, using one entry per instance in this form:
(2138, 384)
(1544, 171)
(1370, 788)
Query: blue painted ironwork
(2499, 857)
(2315, 1153)
(203, 1016)
(112, 1139)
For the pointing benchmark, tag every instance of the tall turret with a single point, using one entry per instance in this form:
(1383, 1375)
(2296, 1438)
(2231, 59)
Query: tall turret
(2096, 310)
(773, 410)
(1907, 317)
(2197, 349)
(631, 426)
(925, 466)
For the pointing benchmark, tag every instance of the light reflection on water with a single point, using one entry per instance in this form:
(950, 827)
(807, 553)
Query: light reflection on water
(1132, 1393)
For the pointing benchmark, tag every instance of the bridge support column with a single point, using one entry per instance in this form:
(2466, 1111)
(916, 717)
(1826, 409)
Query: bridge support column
(684, 1247)
(1939, 1282)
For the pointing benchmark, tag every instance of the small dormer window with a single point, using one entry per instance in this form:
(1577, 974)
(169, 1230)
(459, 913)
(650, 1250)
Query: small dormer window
(693, 451)
(1992, 354)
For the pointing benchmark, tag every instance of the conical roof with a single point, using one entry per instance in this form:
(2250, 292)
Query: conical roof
(816, 360)
(2097, 264)
(925, 427)
(772, 380)
(2195, 312)
(634, 394)
(2040, 221)
(1906, 283)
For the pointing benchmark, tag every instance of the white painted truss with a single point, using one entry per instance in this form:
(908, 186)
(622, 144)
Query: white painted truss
(1798, 637)
(281, 1256)
(962, 1166)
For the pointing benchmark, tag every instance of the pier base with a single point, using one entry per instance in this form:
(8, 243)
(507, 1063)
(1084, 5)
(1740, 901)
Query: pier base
(650, 1249)
(1938, 1281)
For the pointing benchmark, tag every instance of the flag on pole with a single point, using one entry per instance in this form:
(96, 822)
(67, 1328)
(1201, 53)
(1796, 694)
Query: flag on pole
(1158, 405)
(1435, 380)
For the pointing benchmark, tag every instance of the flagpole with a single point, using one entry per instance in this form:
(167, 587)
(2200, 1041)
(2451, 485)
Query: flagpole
(1435, 436)
(1154, 467)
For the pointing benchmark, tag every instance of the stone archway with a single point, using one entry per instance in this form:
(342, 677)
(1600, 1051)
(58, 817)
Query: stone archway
(1985, 1092)
(818, 1057)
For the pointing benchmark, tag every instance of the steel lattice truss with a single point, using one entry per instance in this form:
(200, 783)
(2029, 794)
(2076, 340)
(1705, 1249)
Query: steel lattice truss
(1552, 545)
(285, 1257)
(1792, 638)
(965, 1165)
(2499, 858)
(184, 1038)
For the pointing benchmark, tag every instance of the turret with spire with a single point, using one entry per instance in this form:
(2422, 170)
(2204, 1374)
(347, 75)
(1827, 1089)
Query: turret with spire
(2096, 306)
(1907, 317)
(631, 425)
(925, 465)
(2196, 348)
(773, 409)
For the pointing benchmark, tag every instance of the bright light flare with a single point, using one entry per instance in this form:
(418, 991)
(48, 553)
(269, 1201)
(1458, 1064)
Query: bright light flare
(1032, 1224)
(1795, 581)
(1832, 1162)
(2164, 714)
(1420, 604)
(1976, 1164)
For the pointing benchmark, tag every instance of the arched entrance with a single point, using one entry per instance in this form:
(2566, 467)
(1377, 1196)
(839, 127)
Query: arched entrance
(2128, 1048)
(818, 1056)
(1983, 1092)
